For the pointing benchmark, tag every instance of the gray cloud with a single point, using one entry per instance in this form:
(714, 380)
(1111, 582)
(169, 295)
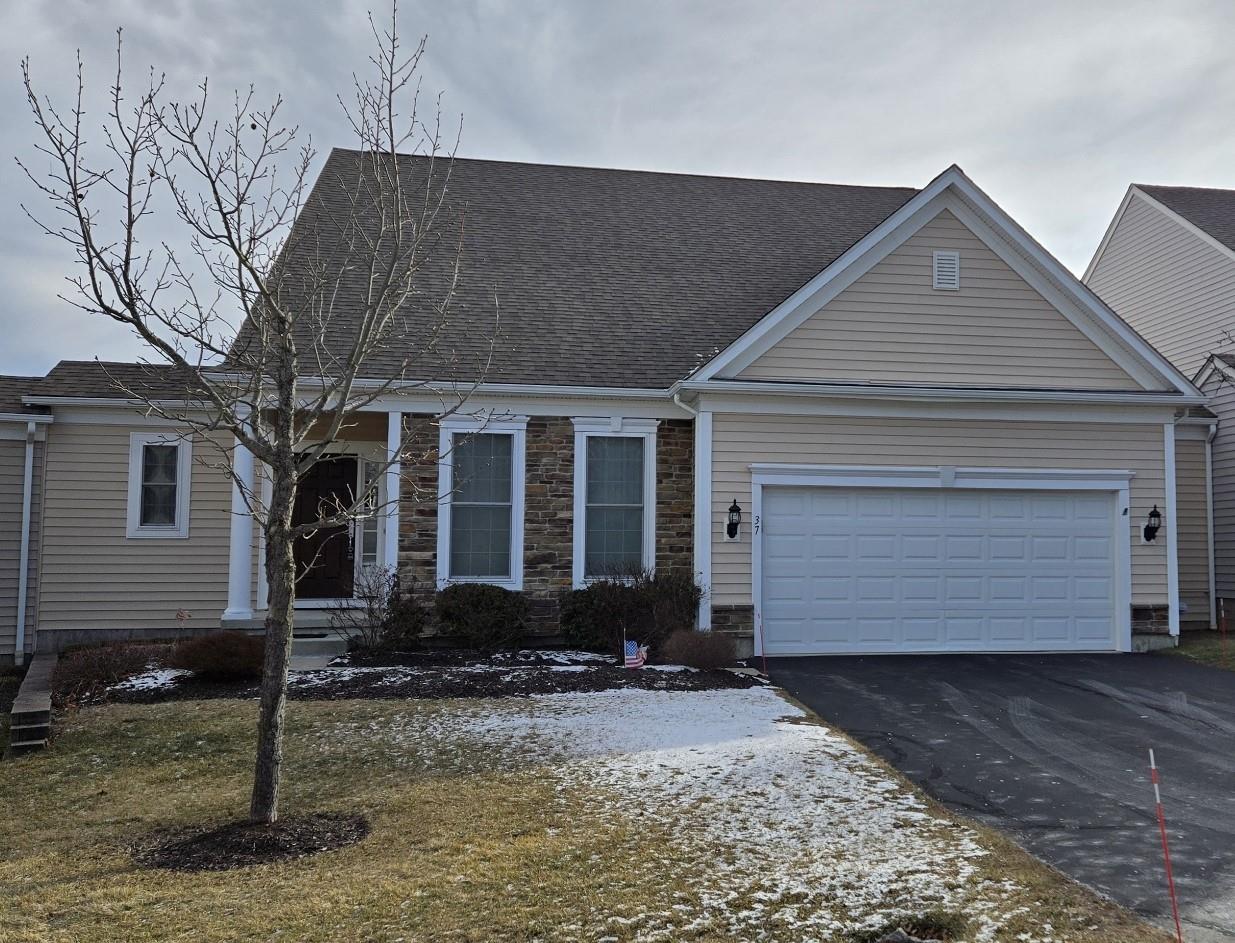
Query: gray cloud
(1052, 107)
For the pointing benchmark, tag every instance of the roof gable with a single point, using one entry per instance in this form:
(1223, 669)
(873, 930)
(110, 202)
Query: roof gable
(954, 191)
(1211, 210)
(892, 326)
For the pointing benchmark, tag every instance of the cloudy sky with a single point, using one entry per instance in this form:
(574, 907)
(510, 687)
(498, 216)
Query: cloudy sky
(1053, 108)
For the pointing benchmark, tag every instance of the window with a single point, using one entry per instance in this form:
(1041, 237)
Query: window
(480, 482)
(160, 470)
(615, 497)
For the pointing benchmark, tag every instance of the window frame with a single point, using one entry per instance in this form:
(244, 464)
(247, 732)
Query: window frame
(514, 426)
(616, 427)
(135, 529)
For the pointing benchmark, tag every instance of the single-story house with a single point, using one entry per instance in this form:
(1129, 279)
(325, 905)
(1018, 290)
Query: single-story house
(868, 419)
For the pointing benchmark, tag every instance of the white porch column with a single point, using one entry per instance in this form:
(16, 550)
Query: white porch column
(394, 446)
(240, 544)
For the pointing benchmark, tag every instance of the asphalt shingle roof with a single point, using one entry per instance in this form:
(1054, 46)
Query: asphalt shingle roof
(607, 278)
(1209, 209)
(94, 378)
(12, 389)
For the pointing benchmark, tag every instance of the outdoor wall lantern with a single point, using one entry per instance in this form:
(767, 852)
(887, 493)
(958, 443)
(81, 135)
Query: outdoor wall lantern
(1153, 525)
(734, 521)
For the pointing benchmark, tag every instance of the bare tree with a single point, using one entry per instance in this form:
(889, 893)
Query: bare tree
(281, 356)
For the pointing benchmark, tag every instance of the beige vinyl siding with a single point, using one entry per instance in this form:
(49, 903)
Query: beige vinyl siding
(93, 575)
(1192, 523)
(1173, 287)
(12, 477)
(740, 440)
(891, 325)
(1222, 401)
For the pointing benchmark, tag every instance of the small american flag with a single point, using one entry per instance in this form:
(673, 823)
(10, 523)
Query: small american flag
(636, 655)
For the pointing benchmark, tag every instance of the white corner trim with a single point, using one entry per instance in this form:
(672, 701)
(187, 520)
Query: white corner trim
(1117, 482)
(515, 426)
(1211, 557)
(184, 477)
(703, 514)
(1172, 530)
(620, 427)
(23, 555)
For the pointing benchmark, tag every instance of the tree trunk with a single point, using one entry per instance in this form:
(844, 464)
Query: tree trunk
(281, 576)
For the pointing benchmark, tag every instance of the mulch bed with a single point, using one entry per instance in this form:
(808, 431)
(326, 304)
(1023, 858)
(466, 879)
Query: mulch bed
(448, 674)
(243, 844)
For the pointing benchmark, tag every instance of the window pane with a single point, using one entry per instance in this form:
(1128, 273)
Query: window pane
(613, 541)
(158, 492)
(614, 470)
(480, 540)
(482, 468)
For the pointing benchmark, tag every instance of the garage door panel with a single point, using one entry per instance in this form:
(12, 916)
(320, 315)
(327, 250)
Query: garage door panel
(917, 570)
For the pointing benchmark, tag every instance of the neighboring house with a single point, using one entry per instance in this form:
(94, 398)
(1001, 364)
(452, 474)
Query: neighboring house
(937, 438)
(1167, 266)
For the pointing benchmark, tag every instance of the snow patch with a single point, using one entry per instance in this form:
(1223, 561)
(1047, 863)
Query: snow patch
(152, 679)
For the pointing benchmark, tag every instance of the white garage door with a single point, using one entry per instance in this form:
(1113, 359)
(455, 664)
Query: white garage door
(930, 570)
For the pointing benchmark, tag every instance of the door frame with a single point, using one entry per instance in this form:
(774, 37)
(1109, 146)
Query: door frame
(363, 452)
(1115, 482)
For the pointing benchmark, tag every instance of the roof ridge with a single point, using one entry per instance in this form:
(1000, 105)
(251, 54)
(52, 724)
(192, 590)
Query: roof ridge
(642, 171)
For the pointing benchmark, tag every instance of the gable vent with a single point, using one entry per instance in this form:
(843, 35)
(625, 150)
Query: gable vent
(947, 271)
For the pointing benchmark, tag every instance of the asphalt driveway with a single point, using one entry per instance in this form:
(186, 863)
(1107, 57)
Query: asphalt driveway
(1053, 750)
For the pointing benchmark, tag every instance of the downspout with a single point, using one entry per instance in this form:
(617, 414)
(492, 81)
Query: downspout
(23, 559)
(1209, 524)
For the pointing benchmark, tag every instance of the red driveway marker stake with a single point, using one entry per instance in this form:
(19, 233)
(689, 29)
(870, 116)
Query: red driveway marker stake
(1166, 850)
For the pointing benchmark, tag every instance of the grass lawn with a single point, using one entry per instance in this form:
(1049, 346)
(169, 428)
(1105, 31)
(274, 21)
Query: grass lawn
(617, 816)
(1206, 647)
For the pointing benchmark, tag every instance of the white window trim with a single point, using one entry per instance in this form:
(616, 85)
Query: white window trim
(184, 476)
(621, 428)
(515, 426)
(1117, 482)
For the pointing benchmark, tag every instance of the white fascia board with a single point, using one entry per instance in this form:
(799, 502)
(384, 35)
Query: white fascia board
(945, 394)
(806, 300)
(942, 476)
(1110, 231)
(1189, 226)
(1079, 292)
(26, 417)
(1116, 337)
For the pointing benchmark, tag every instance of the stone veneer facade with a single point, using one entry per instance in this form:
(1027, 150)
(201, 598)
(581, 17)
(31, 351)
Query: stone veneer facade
(548, 528)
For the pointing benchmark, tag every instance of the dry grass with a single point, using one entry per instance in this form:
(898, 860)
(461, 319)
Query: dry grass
(466, 846)
(1208, 648)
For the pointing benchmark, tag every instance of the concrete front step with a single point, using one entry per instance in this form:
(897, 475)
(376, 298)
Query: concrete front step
(31, 713)
(318, 645)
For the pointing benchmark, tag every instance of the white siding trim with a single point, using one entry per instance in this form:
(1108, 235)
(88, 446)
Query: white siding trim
(703, 514)
(23, 555)
(1172, 530)
(1209, 526)
(585, 428)
(943, 476)
(515, 426)
(184, 476)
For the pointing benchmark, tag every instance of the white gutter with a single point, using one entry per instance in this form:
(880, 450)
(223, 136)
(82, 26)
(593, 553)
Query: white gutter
(938, 394)
(23, 559)
(23, 417)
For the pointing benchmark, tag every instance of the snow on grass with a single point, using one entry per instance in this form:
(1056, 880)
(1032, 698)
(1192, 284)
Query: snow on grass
(782, 825)
(151, 679)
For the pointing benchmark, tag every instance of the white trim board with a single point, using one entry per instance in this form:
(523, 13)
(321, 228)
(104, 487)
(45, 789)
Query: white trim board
(953, 190)
(1115, 481)
(586, 428)
(134, 529)
(515, 426)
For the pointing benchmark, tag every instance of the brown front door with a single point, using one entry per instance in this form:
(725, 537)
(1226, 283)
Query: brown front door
(325, 561)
